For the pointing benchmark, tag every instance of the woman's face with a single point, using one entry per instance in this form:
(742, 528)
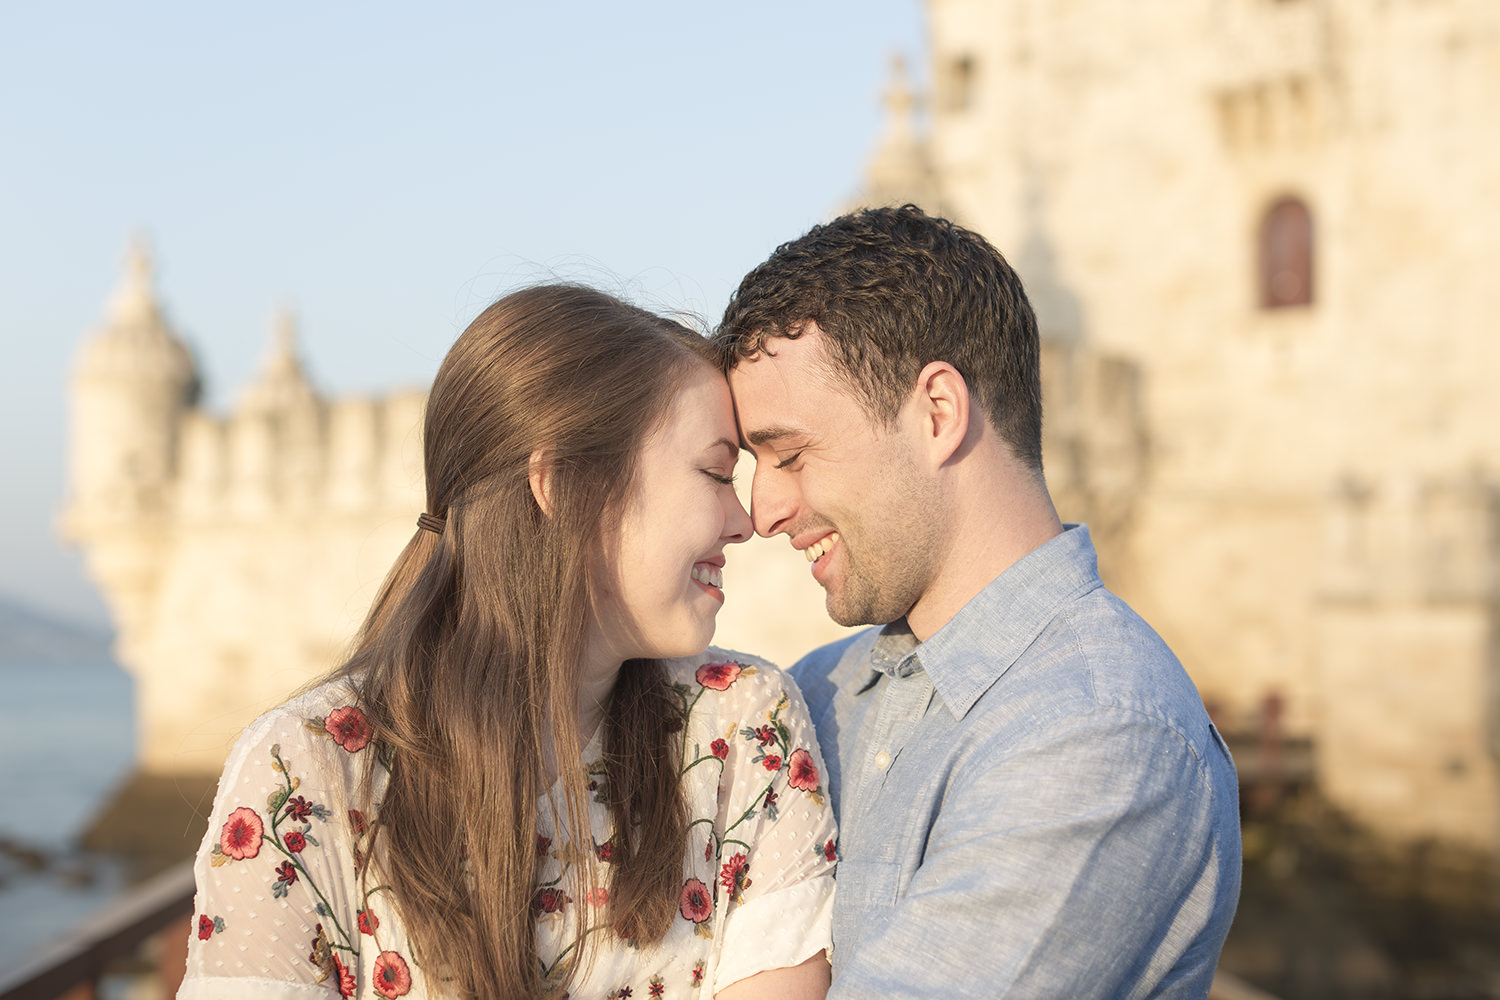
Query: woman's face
(661, 582)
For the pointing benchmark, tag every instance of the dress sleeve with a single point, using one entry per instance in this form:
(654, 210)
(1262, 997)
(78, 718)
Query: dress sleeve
(776, 833)
(276, 907)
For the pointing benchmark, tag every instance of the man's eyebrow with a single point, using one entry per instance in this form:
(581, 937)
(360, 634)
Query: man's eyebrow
(766, 435)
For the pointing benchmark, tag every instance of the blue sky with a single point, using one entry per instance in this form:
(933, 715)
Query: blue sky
(386, 171)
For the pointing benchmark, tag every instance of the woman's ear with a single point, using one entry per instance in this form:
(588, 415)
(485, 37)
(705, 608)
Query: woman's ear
(539, 471)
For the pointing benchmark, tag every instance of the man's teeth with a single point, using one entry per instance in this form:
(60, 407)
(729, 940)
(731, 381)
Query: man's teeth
(711, 575)
(815, 551)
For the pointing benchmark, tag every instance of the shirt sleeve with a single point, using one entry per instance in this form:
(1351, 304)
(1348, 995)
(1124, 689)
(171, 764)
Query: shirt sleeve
(776, 834)
(275, 907)
(1079, 865)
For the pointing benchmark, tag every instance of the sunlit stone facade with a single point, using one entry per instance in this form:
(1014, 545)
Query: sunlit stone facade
(1282, 219)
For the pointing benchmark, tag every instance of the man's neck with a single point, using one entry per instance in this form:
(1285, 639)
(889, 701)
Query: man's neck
(1002, 513)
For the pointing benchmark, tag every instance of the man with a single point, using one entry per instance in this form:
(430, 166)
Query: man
(1032, 801)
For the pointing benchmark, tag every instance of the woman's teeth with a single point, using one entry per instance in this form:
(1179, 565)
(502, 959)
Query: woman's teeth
(815, 551)
(711, 575)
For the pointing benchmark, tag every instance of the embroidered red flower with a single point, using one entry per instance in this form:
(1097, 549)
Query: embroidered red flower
(717, 676)
(543, 845)
(205, 927)
(770, 799)
(298, 808)
(347, 983)
(549, 900)
(606, 851)
(368, 922)
(392, 977)
(720, 749)
(350, 730)
(697, 904)
(698, 972)
(295, 842)
(765, 735)
(657, 987)
(240, 838)
(734, 876)
(708, 850)
(802, 772)
(286, 872)
(357, 820)
(598, 896)
(830, 852)
(772, 762)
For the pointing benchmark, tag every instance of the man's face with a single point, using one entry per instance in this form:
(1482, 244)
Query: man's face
(848, 492)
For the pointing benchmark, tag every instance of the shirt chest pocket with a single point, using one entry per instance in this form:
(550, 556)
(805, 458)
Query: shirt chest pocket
(865, 892)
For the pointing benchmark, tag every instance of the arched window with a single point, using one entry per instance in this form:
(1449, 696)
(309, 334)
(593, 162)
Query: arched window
(1286, 255)
(958, 92)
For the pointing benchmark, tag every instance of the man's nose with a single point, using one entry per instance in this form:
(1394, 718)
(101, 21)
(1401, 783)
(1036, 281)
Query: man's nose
(772, 502)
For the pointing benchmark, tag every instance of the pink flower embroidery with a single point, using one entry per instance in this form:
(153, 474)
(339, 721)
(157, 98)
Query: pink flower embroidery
(735, 876)
(720, 749)
(598, 896)
(549, 900)
(802, 772)
(368, 922)
(697, 904)
(717, 676)
(240, 838)
(347, 984)
(352, 731)
(392, 977)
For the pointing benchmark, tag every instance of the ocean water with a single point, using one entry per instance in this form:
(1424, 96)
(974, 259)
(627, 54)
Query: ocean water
(67, 738)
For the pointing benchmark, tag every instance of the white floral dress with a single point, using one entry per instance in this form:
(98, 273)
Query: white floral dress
(280, 911)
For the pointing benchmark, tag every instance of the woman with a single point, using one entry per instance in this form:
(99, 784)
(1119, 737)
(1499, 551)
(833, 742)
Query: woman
(530, 778)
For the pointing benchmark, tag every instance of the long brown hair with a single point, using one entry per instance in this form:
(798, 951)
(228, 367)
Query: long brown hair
(468, 663)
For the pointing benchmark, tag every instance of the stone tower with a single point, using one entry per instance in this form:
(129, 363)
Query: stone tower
(239, 552)
(1284, 217)
(132, 383)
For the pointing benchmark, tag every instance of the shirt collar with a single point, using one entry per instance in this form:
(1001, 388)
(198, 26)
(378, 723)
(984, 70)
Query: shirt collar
(991, 631)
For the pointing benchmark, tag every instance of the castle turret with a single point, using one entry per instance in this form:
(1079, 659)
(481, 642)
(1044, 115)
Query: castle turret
(132, 382)
(900, 169)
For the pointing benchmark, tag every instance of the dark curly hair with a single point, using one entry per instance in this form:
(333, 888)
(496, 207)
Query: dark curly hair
(893, 289)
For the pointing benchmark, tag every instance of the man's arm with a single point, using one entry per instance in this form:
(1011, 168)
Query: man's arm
(1080, 865)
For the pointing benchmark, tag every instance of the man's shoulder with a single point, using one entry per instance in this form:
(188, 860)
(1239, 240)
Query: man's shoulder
(817, 673)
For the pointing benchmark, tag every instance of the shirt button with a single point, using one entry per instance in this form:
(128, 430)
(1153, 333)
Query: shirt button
(883, 760)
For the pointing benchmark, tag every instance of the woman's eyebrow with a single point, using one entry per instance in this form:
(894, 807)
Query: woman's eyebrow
(733, 448)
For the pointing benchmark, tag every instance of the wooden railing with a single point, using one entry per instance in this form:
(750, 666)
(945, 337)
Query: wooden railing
(160, 907)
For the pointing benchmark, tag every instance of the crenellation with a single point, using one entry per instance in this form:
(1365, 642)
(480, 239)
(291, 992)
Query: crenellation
(353, 453)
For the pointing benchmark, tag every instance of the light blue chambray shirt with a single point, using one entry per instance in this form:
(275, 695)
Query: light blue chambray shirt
(1031, 803)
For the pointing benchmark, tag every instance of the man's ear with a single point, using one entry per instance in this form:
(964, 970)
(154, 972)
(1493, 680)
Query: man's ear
(943, 407)
(539, 472)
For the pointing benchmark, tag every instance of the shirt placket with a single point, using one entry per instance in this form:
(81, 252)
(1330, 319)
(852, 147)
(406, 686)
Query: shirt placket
(905, 699)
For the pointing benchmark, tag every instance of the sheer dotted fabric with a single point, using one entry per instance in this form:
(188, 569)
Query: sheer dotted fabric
(280, 911)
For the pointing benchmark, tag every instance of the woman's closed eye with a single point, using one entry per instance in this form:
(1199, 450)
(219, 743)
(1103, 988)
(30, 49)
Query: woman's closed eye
(719, 477)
